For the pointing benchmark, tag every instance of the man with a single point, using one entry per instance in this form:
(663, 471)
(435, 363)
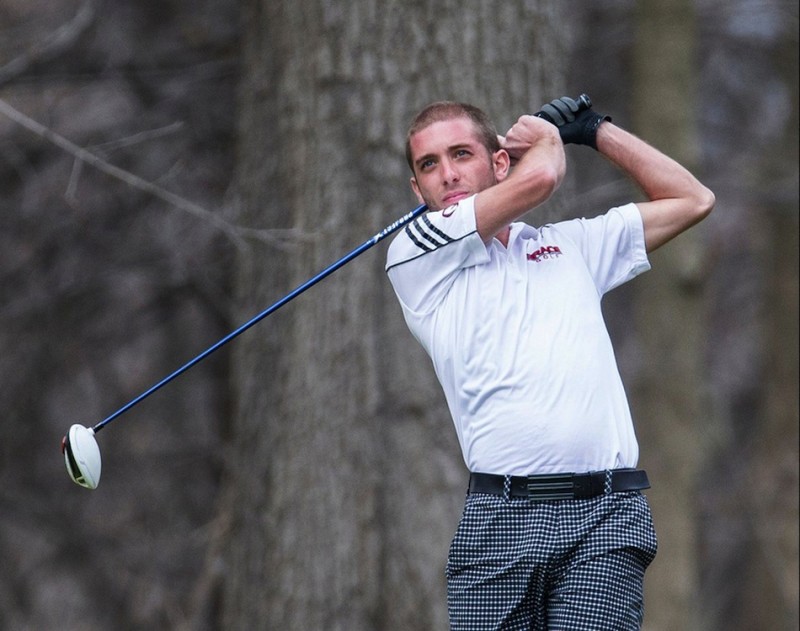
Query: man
(555, 532)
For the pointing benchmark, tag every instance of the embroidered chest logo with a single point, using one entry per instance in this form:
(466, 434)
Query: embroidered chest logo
(543, 253)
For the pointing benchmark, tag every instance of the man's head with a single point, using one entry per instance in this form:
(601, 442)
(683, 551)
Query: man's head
(454, 152)
(447, 110)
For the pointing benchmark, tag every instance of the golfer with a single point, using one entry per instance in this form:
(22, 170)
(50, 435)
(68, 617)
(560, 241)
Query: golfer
(555, 532)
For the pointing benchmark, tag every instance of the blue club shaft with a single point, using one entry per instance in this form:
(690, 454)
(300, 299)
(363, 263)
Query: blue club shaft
(391, 228)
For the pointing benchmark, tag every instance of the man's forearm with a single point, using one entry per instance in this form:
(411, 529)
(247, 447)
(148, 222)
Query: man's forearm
(658, 175)
(537, 174)
(677, 199)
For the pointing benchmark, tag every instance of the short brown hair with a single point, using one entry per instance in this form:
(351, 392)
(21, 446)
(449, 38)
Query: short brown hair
(448, 110)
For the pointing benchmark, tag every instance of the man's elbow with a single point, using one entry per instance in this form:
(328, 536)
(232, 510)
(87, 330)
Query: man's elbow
(549, 178)
(704, 203)
(538, 184)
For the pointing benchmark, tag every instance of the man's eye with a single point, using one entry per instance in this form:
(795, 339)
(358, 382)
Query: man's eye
(462, 153)
(426, 164)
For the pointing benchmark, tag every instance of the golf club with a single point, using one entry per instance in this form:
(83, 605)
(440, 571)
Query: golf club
(79, 445)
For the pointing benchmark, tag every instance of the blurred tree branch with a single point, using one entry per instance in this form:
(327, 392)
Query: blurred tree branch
(56, 43)
(279, 238)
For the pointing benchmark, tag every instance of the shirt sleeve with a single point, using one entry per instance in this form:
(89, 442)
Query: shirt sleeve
(425, 258)
(612, 245)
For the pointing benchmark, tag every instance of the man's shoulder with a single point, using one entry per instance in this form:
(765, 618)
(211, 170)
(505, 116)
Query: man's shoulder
(430, 232)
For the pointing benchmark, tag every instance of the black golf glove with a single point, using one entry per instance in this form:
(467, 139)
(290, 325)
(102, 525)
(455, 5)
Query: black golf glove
(577, 124)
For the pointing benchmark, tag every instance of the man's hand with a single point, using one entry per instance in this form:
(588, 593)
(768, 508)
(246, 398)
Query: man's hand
(536, 149)
(577, 123)
(523, 135)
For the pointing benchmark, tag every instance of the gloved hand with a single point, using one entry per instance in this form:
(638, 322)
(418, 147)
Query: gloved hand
(577, 123)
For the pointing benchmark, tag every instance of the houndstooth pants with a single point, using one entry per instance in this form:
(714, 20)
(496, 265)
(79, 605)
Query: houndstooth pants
(566, 565)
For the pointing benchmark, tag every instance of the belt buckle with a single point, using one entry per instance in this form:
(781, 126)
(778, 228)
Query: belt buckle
(546, 487)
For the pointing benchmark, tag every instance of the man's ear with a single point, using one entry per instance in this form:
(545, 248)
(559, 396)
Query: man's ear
(501, 162)
(415, 188)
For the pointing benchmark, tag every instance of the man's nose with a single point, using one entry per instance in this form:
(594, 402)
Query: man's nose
(450, 172)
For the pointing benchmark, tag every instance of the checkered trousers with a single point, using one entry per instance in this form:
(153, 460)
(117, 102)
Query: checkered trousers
(565, 565)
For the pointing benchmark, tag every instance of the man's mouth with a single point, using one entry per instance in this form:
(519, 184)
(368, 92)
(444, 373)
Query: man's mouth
(454, 197)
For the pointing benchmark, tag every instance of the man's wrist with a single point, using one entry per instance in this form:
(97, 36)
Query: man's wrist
(593, 128)
(603, 134)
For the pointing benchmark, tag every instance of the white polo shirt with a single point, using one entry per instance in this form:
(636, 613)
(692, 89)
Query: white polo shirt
(517, 337)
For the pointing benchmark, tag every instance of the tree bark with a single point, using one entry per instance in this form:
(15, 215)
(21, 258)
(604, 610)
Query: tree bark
(344, 480)
(668, 398)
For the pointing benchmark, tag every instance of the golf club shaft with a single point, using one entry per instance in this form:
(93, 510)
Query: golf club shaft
(272, 308)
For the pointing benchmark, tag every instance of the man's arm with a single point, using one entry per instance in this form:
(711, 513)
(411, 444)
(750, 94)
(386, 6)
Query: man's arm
(677, 199)
(535, 148)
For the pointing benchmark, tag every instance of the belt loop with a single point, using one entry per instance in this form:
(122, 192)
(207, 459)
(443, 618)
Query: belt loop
(507, 488)
(607, 486)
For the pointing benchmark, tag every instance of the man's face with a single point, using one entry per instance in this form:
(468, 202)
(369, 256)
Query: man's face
(451, 164)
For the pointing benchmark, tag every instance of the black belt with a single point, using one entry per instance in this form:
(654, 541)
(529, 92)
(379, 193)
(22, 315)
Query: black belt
(560, 486)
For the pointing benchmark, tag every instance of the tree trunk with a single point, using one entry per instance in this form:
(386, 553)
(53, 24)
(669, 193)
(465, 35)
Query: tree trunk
(668, 399)
(761, 490)
(344, 479)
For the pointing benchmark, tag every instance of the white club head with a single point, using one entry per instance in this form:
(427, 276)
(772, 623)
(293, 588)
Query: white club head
(82, 456)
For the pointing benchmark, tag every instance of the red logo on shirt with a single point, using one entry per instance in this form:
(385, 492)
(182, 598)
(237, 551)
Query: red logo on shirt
(543, 253)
